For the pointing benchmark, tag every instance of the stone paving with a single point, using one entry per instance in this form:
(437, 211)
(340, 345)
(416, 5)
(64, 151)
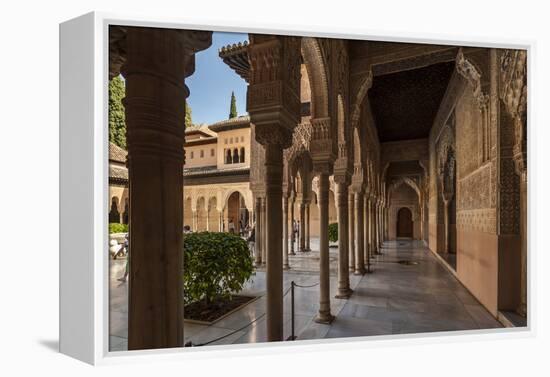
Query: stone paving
(394, 299)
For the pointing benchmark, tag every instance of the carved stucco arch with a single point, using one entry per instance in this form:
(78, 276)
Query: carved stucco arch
(360, 87)
(317, 73)
(404, 181)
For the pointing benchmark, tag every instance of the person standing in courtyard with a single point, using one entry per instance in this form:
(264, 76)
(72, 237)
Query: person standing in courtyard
(124, 277)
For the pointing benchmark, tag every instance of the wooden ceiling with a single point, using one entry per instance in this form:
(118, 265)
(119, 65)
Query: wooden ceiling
(404, 104)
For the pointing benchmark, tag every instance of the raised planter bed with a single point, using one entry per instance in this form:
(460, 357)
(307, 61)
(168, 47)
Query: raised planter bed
(198, 312)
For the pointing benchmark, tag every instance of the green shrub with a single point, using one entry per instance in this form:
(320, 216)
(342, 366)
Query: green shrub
(215, 266)
(333, 232)
(118, 228)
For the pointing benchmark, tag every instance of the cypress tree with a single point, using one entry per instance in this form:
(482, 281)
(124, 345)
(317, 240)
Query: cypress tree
(233, 107)
(117, 122)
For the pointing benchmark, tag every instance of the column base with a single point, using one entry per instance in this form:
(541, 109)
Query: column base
(344, 293)
(324, 318)
(359, 272)
(292, 253)
(286, 267)
(369, 270)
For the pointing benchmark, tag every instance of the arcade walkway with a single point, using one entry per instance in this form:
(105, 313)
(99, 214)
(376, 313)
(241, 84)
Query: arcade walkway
(396, 299)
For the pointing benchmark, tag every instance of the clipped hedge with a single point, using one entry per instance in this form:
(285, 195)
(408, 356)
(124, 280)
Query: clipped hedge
(118, 228)
(333, 232)
(215, 266)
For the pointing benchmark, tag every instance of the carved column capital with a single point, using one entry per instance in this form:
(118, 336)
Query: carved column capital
(273, 96)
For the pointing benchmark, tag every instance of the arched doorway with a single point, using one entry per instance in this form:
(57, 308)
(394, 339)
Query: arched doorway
(237, 216)
(404, 223)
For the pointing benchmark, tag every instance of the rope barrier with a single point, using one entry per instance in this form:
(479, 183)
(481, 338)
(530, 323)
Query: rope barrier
(292, 337)
(307, 286)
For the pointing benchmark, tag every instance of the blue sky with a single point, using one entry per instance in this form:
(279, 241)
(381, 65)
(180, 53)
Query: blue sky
(211, 85)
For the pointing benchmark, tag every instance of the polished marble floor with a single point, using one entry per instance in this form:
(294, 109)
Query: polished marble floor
(396, 298)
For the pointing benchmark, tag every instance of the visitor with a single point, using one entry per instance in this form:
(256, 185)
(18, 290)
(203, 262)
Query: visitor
(252, 239)
(124, 278)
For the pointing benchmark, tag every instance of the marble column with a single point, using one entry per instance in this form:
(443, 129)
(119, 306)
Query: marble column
(375, 250)
(258, 233)
(308, 245)
(274, 225)
(381, 219)
(292, 233)
(286, 264)
(157, 62)
(359, 247)
(324, 315)
(207, 220)
(265, 231)
(351, 222)
(344, 290)
(302, 227)
(195, 220)
(366, 246)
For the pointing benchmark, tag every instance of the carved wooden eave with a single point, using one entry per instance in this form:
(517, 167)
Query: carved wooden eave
(236, 57)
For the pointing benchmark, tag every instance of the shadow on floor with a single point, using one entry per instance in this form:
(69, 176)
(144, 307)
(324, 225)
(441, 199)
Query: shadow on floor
(51, 344)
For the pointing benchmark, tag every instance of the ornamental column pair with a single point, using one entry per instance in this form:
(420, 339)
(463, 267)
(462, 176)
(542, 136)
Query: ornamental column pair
(273, 102)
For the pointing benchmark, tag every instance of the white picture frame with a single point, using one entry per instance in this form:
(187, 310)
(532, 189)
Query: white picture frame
(84, 190)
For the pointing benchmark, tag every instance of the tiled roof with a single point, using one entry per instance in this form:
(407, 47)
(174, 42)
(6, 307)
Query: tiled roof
(118, 173)
(117, 154)
(231, 124)
(213, 170)
(200, 128)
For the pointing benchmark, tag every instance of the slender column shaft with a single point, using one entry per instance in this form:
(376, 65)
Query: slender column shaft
(351, 223)
(324, 315)
(194, 221)
(366, 246)
(265, 231)
(286, 265)
(302, 227)
(359, 247)
(258, 233)
(274, 224)
(207, 220)
(377, 227)
(292, 233)
(380, 226)
(308, 248)
(374, 245)
(344, 290)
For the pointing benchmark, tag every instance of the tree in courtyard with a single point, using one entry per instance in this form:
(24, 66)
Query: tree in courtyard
(188, 115)
(233, 106)
(117, 123)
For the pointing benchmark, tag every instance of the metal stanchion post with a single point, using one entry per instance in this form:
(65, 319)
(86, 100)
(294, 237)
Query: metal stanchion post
(292, 336)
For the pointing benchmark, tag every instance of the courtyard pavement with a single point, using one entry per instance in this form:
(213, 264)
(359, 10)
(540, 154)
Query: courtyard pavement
(394, 299)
